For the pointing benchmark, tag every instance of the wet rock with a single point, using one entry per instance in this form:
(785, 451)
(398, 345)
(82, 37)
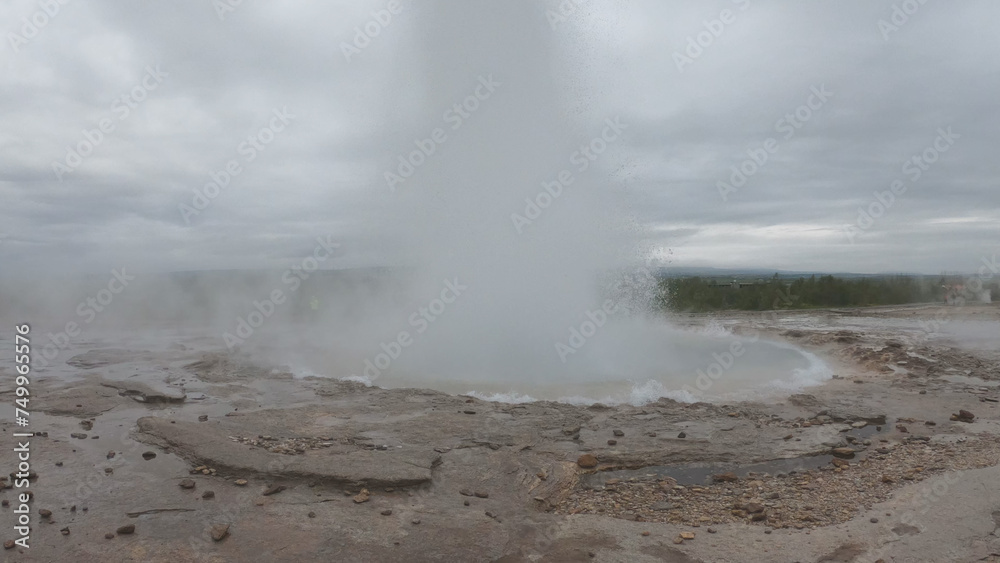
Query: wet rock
(126, 529)
(86, 424)
(145, 392)
(587, 461)
(273, 490)
(148, 455)
(859, 424)
(186, 484)
(220, 531)
(363, 496)
(728, 477)
(845, 453)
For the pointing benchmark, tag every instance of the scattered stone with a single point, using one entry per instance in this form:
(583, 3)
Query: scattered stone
(687, 535)
(678, 540)
(208, 495)
(109, 470)
(653, 434)
(64, 531)
(481, 494)
(273, 490)
(187, 484)
(126, 529)
(466, 492)
(712, 530)
(311, 515)
(469, 412)
(220, 531)
(682, 435)
(5, 503)
(645, 534)
(753, 508)
(930, 423)
(78, 435)
(902, 429)
(662, 506)
(859, 424)
(612, 442)
(241, 482)
(467, 503)
(9, 544)
(109, 536)
(45, 513)
(587, 461)
(387, 512)
(874, 520)
(111, 455)
(203, 418)
(86, 424)
(618, 433)
(363, 496)
(148, 455)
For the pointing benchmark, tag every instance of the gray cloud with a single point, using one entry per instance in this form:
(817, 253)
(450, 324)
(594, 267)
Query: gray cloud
(322, 175)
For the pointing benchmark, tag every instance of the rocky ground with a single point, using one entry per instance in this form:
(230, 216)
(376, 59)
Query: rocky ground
(183, 453)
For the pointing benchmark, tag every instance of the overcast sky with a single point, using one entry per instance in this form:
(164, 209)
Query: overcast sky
(882, 91)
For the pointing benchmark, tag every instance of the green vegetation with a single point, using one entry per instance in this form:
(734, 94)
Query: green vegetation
(699, 295)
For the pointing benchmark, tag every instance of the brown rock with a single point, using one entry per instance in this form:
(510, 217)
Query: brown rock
(482, 494)
(9, 544)
(678, 540)
(363, 496)
(109, 536)
(220, 531)
(687, 535)
(846, 453)
(753, 508)
(587, 461)
(273, 490)
(612, 442)
(728, 477)
(966, 416)
(387, 512)
(126, 529)
(241, 482)
(45, 513)
(901, 428)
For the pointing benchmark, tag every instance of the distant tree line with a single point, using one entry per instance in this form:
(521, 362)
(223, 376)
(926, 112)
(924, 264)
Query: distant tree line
(698, 295)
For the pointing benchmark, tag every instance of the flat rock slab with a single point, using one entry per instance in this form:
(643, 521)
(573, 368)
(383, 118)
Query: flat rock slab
(342, 465)
(147, 392)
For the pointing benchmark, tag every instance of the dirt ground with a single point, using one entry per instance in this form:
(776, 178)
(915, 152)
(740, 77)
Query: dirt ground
(895, 459)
